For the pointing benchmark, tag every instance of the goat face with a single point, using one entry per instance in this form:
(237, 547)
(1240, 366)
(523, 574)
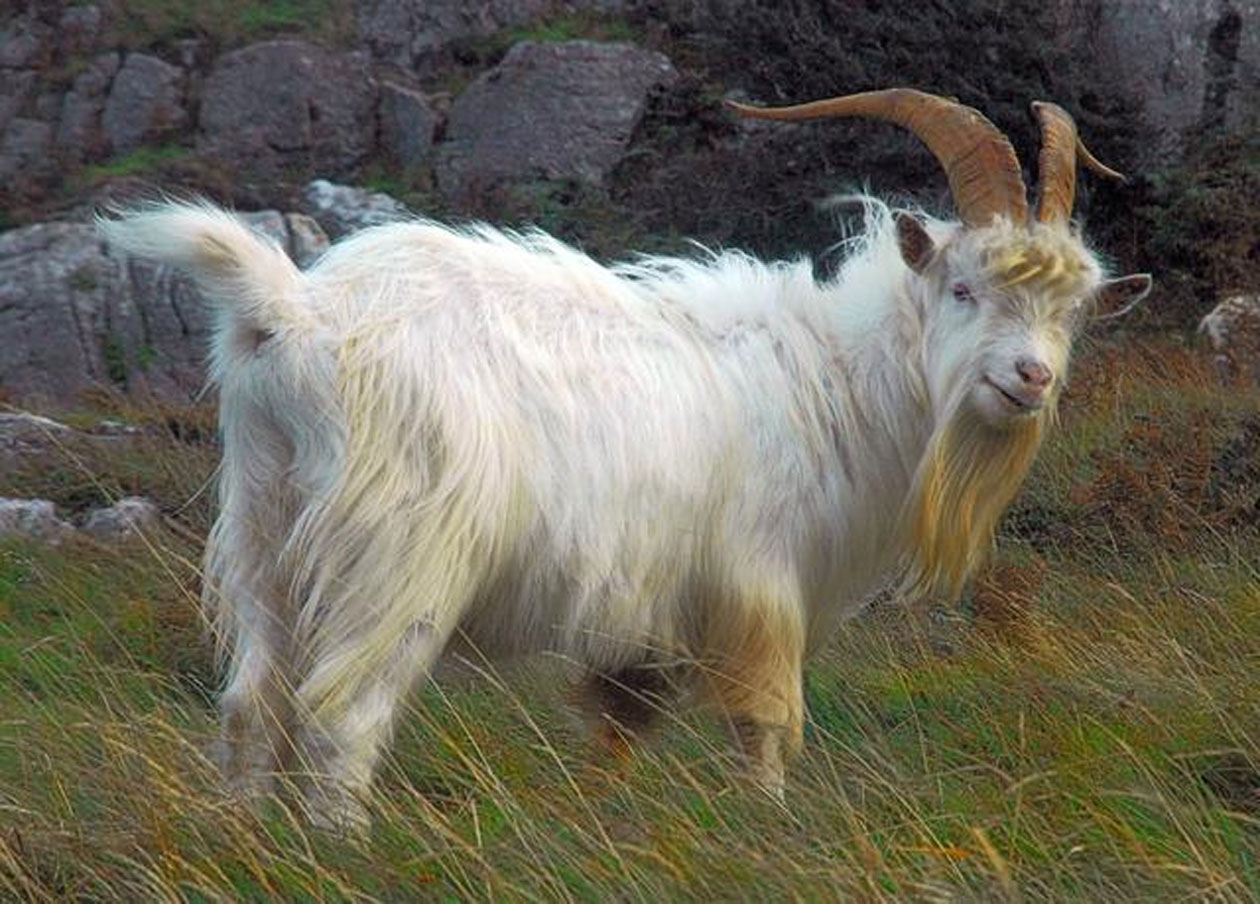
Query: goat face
(1001, 306)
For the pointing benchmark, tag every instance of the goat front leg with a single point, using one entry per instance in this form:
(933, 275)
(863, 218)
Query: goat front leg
(755, 677)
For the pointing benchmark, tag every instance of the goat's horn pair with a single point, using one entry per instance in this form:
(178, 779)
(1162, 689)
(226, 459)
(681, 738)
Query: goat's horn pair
(979, 161)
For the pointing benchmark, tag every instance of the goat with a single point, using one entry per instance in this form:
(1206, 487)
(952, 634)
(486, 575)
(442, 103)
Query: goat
(680, 474)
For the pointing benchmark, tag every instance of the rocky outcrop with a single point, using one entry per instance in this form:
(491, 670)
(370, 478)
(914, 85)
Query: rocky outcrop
(128, 517)
(74, 316)
(408, 124)
(1191, 68)
(550, 111)
(341, 209)
(35, 519)
(414, 36)
(281, 107)
(145, 103)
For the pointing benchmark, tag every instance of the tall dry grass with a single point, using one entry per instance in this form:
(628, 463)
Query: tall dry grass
(1086, 726)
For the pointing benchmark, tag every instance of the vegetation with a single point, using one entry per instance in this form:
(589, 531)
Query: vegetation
(1086, 726)
(148, 24)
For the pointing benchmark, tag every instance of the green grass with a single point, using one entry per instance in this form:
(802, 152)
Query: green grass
(1085, 727)
(145, 24)
(140, 162)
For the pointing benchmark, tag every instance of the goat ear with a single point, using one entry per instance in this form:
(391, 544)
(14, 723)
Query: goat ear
(1118, 297)
(915, 244)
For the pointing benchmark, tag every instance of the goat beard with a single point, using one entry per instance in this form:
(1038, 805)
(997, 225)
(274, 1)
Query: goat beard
(968, 476)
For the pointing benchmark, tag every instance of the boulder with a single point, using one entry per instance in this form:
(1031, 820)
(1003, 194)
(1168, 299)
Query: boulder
(411, 35)
(1190, 67)
(550, 111)
(127, 517)
(34, 519)
(1232, 331)
(25, 43)
(26, 151)
(281, 107)
(23, 433)
(74, 316)
(342, 209)
(408, 124)
(79, 133)
(79, 30)
(16, 90)
(145, 103)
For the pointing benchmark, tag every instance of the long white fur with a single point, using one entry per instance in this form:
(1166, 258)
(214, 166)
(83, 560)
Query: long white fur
(441, 432)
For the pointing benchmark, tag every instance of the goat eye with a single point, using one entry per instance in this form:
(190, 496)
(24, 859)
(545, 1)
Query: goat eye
(962, 292)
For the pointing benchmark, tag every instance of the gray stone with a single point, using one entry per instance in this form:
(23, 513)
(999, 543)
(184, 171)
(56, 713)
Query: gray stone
(16, 90)
(413, 35)
(1191, 67)
(74, 315)
(307, 239)
(408, 124)
(127, 517)
(25, 44)
(342, 209)
(34, 519)
(25, 151)
(79, 133)
(550, 111)
(269, 223)
(22, 433)
(145, 103)
(284, 106)
(80, 29)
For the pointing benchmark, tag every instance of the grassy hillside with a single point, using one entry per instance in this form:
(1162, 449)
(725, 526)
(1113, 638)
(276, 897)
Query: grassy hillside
(1085, 726)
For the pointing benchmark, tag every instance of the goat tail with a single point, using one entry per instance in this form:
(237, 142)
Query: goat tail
(252, 283)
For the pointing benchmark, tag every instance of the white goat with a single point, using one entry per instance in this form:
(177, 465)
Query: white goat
(681, 474)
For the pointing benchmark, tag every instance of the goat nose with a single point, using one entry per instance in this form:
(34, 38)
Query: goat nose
(1034, 374)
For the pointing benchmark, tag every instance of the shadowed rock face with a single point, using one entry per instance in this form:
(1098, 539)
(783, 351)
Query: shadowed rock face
(1191, 67)
(551, 111)
(73, 316)
(283, 106)
(145, 103)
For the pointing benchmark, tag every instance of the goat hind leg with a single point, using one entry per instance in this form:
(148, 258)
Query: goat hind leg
(339, 748)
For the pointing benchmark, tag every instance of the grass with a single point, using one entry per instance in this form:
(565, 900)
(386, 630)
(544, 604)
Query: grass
(146, 24)
(1086, 726)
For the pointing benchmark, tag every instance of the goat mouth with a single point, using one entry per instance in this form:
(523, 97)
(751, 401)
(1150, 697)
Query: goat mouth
(1021, 405)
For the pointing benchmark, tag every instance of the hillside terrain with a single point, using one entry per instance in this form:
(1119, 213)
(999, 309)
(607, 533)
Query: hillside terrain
(1083, 725)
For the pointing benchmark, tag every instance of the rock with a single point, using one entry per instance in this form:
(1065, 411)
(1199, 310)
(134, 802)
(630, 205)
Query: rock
(550, 111)
(16, 90)
(145, 103)
(35, 519)
(269, 223)
(56, 292)
(413, 36)
(25, 44)
(408, 124)
(1232, 330)
(125, 518)
(73, 315)
(26, 151)
(307, 239)
(22, 433)
(285, 106)
(79, 31)
(342, 209)
(79, 133)
(1192, 67)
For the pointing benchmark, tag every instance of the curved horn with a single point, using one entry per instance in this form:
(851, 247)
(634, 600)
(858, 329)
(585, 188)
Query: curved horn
(984, 174)
(1061, 147)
